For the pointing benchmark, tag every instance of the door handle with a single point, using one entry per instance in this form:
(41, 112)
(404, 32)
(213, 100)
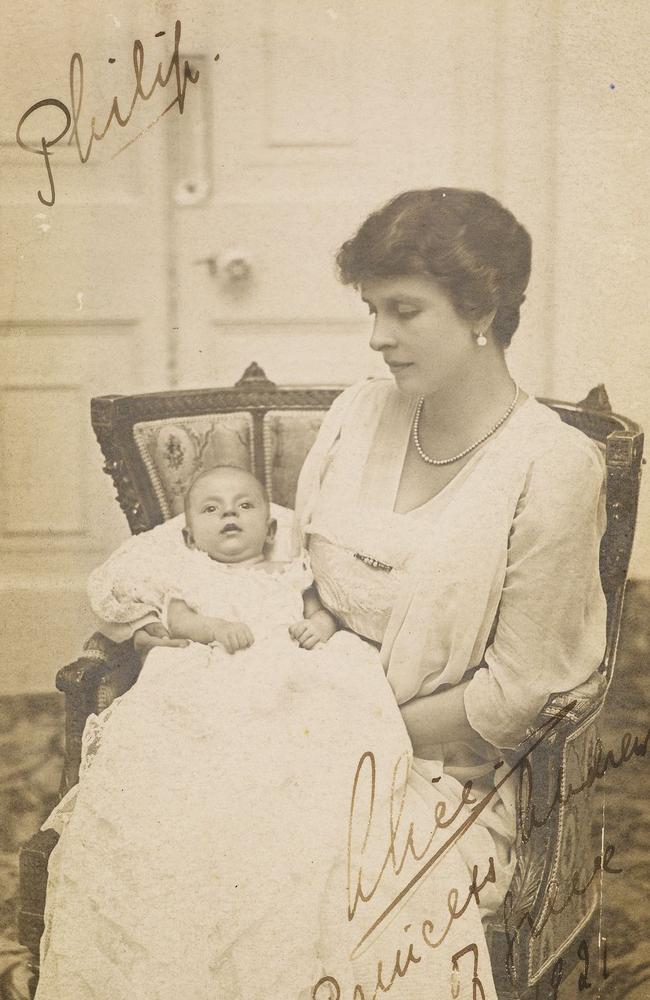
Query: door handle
(211, 263)
(234, 267)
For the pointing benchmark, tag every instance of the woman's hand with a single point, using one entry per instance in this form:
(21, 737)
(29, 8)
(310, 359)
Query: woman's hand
(154, 634)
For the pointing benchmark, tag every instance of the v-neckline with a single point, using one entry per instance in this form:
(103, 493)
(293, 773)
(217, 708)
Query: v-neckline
(405, 433)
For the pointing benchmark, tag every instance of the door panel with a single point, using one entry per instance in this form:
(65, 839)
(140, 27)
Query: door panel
(83, 311)
(319, 112)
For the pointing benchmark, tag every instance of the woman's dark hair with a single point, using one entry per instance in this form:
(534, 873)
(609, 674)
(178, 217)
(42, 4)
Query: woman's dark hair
(469, 243)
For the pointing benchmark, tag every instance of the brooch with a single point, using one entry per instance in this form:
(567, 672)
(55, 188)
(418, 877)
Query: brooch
(374, 563)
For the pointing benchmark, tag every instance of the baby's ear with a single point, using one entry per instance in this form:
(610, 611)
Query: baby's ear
(187, 538)
(271, 531)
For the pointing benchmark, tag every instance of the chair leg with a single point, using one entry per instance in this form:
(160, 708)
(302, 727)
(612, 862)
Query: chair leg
(34, 968)
(508, 992)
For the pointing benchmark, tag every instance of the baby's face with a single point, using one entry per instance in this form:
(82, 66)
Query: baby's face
(228, 516)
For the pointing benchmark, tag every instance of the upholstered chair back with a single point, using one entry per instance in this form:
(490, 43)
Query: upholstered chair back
(174, 449)
(154, 444)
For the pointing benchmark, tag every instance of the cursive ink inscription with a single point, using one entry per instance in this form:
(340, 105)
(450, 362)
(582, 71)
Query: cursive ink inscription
(411, 953)
(478, 993)
(584, 983)
(328, 987)
(401, 841)
(72, 115)
(603, 759)
(556, 901)
(541, 734)
(403, 844)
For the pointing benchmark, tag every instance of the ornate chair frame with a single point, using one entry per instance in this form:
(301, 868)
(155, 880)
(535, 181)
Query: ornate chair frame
(522, 967)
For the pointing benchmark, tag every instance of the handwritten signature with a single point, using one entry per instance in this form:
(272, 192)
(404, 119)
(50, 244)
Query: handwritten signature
(597, 768)
(554, 904)
(542, 733)
(181, 77)
(401, 845)
(366, 773)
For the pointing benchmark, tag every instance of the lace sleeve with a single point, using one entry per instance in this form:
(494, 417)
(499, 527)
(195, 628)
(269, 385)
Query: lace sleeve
(135, 581)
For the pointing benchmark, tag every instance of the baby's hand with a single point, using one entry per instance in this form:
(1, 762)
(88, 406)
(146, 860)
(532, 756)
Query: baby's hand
(232, 635)
(310, 631)
(305, 633)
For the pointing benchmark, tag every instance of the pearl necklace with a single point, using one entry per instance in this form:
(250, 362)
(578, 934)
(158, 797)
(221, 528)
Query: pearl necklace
(448, 461)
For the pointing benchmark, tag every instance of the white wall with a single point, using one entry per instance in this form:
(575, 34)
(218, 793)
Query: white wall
(602, 263)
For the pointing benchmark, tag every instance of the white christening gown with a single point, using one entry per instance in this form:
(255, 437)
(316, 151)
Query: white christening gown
(211, 848)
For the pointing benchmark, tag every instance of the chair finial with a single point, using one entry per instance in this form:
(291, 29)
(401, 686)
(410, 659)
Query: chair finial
(254, 374)
(596, 399)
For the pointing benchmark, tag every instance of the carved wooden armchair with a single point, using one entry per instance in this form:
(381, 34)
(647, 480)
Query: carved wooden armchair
(154, 443)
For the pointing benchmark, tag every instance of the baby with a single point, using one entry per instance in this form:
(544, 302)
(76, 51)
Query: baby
(261, 753)
(221, 588)
(227, 516)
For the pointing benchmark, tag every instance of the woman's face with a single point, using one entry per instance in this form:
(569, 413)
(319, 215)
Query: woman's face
(423, 340)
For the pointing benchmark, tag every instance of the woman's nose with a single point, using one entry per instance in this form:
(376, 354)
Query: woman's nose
(383, 334)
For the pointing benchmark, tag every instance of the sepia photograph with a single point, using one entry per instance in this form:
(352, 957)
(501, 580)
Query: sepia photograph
(325, 529)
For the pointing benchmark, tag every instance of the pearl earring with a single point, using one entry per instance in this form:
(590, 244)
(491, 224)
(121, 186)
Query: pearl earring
(481, 340)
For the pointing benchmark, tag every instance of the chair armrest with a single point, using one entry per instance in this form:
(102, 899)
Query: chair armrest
(99, 658)
(554, 839)
(577, 708)
(104, 672)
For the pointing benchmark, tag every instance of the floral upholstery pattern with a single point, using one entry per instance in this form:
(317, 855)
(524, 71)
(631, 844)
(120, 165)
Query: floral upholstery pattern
(174, 450)
(288, 436)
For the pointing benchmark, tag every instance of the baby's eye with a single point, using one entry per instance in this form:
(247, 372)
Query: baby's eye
(209, 508)
(246, 505)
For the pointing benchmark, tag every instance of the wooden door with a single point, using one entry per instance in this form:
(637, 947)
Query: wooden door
(83, 311)
(316, 112)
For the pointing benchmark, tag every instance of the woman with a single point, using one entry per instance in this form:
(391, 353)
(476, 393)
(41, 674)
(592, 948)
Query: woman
(454, 522)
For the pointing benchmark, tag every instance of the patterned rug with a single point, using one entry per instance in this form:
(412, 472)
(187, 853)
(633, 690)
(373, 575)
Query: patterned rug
(31, 758)
(626, 914)
(31, 741)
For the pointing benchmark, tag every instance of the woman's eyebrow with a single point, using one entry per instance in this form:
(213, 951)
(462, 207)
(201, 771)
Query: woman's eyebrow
(412, 300)
(392, 300)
